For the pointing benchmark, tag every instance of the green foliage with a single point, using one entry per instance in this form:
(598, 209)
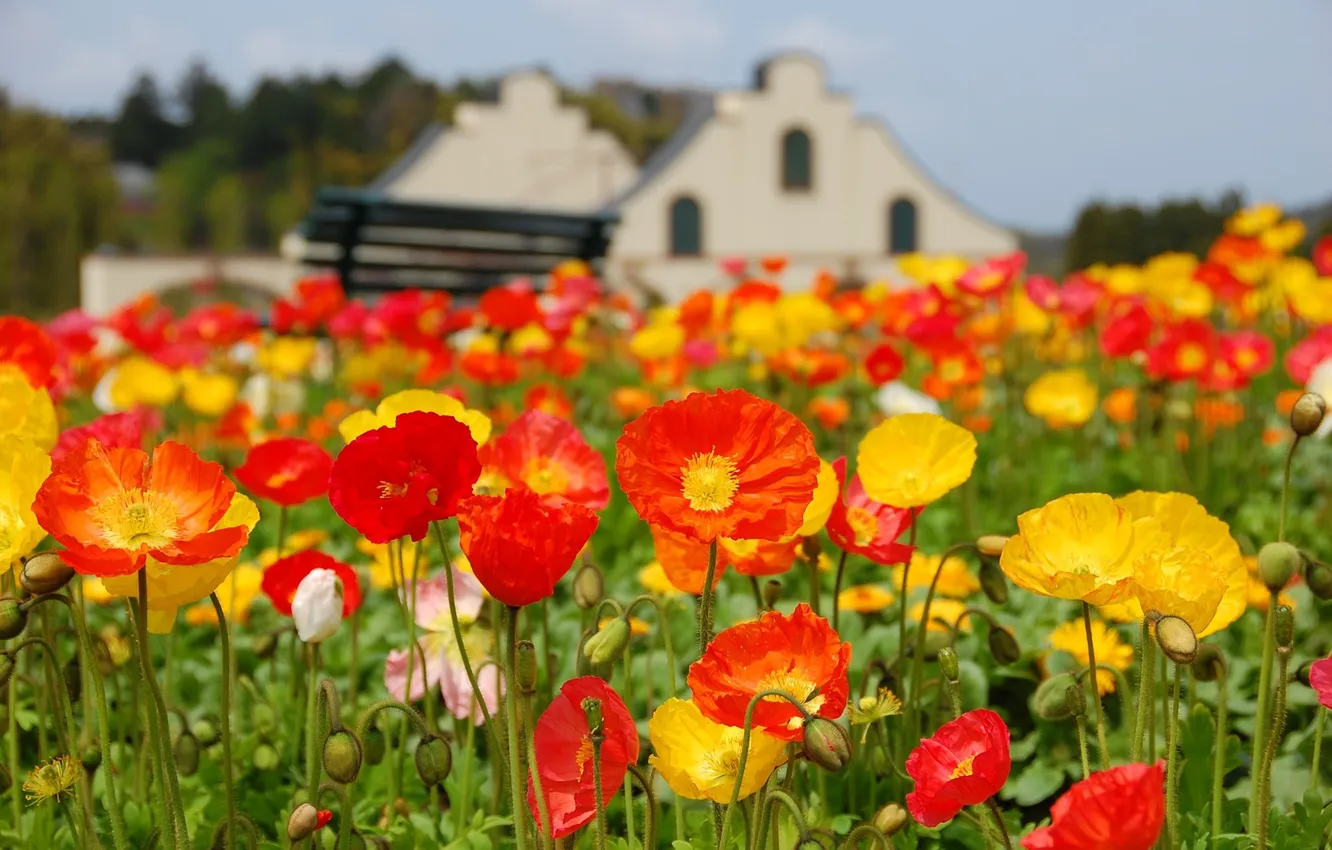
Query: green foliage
(1105, 233)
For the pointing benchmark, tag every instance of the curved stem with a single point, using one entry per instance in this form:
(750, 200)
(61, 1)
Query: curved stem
(650, 805)
(159, 729)
(665, 625)
(999, 818)
(546, 827)
(1080, 722)
(918, 654)
(854, 837)
(1261, 717)
(902, 611)
(389, 704)
(1285, 488)
(1273, 743)
(516, 785)
(744, 750)
(837, 590)
(705, 601)
(778, 796)
(1096, 691)
(457, 633)
(227, 778)
(1121, 685)
(1219, 753)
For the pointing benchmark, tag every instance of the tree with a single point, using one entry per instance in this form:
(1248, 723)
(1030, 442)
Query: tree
(206, 104)
(142, 133)
(225, 214)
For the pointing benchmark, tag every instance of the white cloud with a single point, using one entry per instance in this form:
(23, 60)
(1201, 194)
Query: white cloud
(648, 26)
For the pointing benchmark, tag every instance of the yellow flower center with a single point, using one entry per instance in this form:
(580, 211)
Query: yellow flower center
(797, 686)
(724, 761)
(966, 767)
(544, 476)
(864, 524)
(1191, 357)
(280, 479)
(136, 519)
(389, 490)
(584, 754)
(709, 482)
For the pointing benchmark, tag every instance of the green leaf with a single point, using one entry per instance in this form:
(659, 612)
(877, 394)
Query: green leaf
(1197, 739)
(1038, 782)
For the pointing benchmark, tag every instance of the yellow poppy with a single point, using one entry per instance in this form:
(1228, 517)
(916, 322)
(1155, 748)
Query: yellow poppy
(408, 401)
(654, 580)
(94, 593)
(170, 587)
(385, 572)
(26, 411)
(1186, 524)
(1110, 649)
(864, 599)
(531, 339)
(237, 594)
(139, 380)
(1283, 237)
(23, 468)
(657, 341)
(1077, 547)
(288, 356)
(956, 579)
(756, 327)
(1179, 581)
(827, 490)
(1253, 220)
(699, 759)
(209, 395)
(1064, 398)
(913, 459)
(943, 614)
(801, 315)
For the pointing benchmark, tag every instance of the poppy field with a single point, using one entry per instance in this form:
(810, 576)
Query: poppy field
(975, 558)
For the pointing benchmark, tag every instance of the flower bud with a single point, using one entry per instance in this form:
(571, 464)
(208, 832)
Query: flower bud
(1318, 577)
(1277, 564)
(1210, 663)
(6, 667)
(91, 758)
(526, 671)
(1051, 698)
(891, 819)
(1284, 622)
(305, 820)
(1307, 414)
(948, 664)
(588, 586)
(1177, 639)
(1003, 646)
(205, 729)
(810, 549)
(264, 645)
(187, 753)
(991, 545)
(73, 675)
(592, 711)
(772, 593)
(13, 619)
(936, 640)
(265, 757)
(434, 760)
(45, 573)
(264, 718)
(827, 744)
(880, 763)
(1076, 697)
(342, 756)
(607, 645)
(993, 582)
(374, 747)
(317, 606)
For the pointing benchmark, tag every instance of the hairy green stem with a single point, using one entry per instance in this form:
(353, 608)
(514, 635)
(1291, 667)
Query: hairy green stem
(596, 789)
(227, 767)
(1146, 685)
(993, 806)
(1261, 718)
(837, 590)
(516, 785)
(1172, 762)
(744, 751)
(1274, 742)
(1096, 691)
(546, 827)
(1219, 752)
(1081, 723)
(705, 601)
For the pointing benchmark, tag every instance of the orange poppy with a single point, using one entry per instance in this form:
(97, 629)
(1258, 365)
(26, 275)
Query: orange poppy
(728, 464)
(630, 402)
(110, 508)
(678, 556)
(687, 559)
(799, 654)
(831, 412)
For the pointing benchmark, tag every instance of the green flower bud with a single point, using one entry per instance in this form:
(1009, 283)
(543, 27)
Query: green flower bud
(948, 664)
(827, 744)
(607, 646)
(772, 593)
(73, 675)
(434, 760)
(1177, 639)
(264, 718)
(1076, 697)
(206, 730)
(1307, 414)
(991, 545)
(879, 762)
(45, 573)
(1284, 621)
(91, 757)
(374, 746)
(1003, 646)
(588, 586)
(187, 753)
(1210, 663)
(1277, 564)
(526, 673)
(936, 640)
(303, 822)
(592, 711)
(266, 757)
(342, 756)
(1050, 701)
(264, 645)
(891, 819)
(13, 619)
(993, 582)
(1318, 576)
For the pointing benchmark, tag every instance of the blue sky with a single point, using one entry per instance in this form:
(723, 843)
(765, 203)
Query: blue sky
(1026, 110)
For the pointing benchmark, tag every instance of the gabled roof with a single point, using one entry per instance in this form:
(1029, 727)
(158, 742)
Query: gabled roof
(700, 108)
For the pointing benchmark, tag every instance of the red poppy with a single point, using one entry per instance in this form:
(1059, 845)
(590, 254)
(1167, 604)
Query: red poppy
(550, 456)
(113, 430)
(564, 753)
(284, 575)
(955, 366)
(509, 308)
(27, 346)
(883, 364)
(993, 276)
(1118, 809)
(696, 312)
(1320, 679)
(1306, 354)
(773, 265)
(520, 546)
(492, 368)
(287, 471)
(1322, 256)
(799, 654)
(110, 508)
(395, 481)
(728, 464)
(1241, 356)
(218, 324)
(1184, 353)
(754, 291)
(862, 526)
(964, 764)
(1222, 281)
(852, 307)
(1127, 330)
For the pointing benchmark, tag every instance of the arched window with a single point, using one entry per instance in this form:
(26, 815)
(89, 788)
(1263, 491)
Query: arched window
(797, 161)
(686, 228)
(902, 230)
